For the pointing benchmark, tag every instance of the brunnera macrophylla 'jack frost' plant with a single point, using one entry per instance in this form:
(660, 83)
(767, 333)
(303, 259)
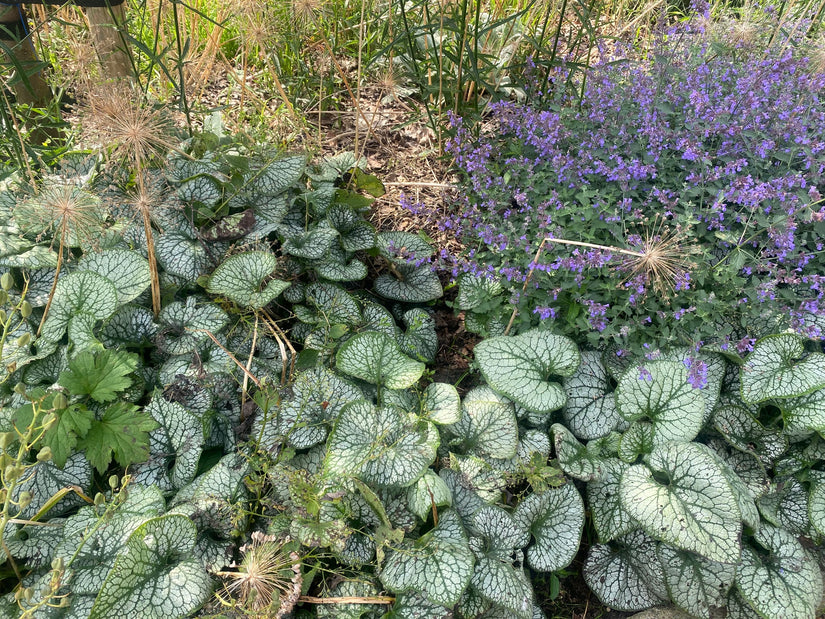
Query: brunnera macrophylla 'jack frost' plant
(700, 494)
(675, 197)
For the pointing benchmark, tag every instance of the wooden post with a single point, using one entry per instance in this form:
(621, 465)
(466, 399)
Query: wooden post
(31, 88)
(107, 27)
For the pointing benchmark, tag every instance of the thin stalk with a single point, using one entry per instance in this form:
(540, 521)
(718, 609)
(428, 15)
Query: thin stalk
(182, 85)
(61, 247)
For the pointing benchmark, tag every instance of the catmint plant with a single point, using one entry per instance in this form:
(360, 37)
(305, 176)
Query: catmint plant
(675, 197)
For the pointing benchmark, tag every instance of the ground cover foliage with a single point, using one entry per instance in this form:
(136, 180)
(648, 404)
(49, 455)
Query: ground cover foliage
(217, 397)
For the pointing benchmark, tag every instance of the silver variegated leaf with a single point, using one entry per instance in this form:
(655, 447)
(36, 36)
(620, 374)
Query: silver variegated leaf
(402, 247)
(428, 493)
(590, 411)
(127, 270)
(804, 415)
(574, 458)
(555, 519)
(778, 368)
(181, 255)
(419, 339)
(476, 291)
(439, 564)
(376, 358)
(610, 518)
(312, 244)
(241, 278)
(409, 283)
(154, 577)
(696, 585)
(504, 585)
(380, 445)
(623, 575)
(441, 403)
(488, 424)
(744, 432)
(683, 498)
(659, 392)
(185, 325)
(785, 582)
(522, 367)
(80, 292)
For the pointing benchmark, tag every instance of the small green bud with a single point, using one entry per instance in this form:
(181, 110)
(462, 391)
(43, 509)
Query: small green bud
(25, 309)
(113, 482)
(6, 281)
(6, 439)
(45, 593)
(25, 498)
(4, 298)
(24, 340)
(64, 602)
(45, 454)
(28, 594)
(100, 499)
(59, 402)
(58, 564)
(20, 388)
(49, 420)
(12, 472)
(2, 316)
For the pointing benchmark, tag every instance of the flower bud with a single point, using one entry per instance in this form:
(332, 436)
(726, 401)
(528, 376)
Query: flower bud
(113, 482)
(28, 594)
(99, 499)
(49, 420)
(4, 297)
(2, 316)
(11, 472)
(6, 439)
(59, 402)
(6, 281)
(20, 388)
(25, 498)
(45, 454)
(58, 564)
(25, 309)
(24, 340)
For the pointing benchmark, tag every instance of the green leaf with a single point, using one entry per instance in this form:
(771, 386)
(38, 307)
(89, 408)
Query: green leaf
(504, 585)
(99, 375)
(380, 445)
(181, 255)
(241, 279)
(555, 519)
(778, 368)
(415, 606)
(523, 367)
(154, 577)
(637, 440)
(575, 459)
(804, 415)
(131, 325)
(336, 266)
(816, 502)
(80, 292)
(744, 432)
(44, 480)
(122, 432)
(280, 175)
(781, 580)
(409, 283)
(72, 423)
(609, 517)
(441, 403)
(696, 585)
(590, 411)
(659, 392)
(439, 564)
(185, 325)
(312, 244)
(419, 340)
(786, 506)
(622, 573)
(683, 498)
(376, 358)
(429, 491)
(333, 305)
(476, 292)
(488, 424)
(401, 247)
(126, 269)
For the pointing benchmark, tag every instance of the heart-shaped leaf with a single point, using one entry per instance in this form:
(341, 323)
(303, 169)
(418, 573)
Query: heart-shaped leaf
(683, 498)
(609, 517)
(419, 340)
(376, 358)
(441, 403)
(380, 445)
(622, 573)
(476, 292)
(487, 425)
(782, 582)
(804, 415)
(523, 367)
(777, 369)
(659, 392)
(127, 270)
(153, 577)
(81, 292)
(428, 493)
(590, 411)
(502, 584)
(575, 459)
(439, 564)
(312, 244)
(409, 283)
(241, 279)
(181, 255)
(555, 520)
(696, 585)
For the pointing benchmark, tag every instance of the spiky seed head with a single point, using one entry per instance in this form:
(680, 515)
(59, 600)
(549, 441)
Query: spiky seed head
(62, 210)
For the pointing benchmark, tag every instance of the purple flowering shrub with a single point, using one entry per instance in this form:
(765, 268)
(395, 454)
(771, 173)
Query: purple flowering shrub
(690, 180)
